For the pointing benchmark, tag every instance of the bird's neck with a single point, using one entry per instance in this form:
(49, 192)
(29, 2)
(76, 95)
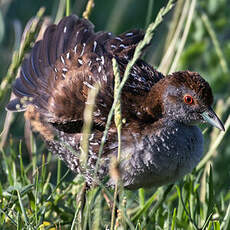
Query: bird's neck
(153, 104)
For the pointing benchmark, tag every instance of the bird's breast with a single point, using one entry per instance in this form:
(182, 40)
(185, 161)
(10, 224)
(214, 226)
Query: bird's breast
(162, 158)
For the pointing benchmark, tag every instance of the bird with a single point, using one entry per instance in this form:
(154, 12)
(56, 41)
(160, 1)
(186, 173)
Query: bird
(160, 139)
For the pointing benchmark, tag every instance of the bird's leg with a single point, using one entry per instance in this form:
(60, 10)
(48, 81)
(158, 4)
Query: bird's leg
(110, 202)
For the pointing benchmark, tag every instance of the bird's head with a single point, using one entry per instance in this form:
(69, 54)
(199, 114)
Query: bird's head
(188, 98)
(183, 97)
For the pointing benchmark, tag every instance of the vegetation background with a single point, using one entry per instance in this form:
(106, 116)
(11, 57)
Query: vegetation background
(38, 192)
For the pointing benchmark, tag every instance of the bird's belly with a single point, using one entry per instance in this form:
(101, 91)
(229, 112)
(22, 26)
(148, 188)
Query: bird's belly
(163, 159)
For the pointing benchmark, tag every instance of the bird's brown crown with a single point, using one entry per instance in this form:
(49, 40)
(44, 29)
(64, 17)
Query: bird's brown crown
(172, 91)
(195, 82)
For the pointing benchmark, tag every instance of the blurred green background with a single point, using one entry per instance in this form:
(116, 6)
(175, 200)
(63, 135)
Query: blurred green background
(195, 35)
(206, 50)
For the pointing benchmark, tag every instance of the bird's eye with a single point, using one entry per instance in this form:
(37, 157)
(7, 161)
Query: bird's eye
(188, 99)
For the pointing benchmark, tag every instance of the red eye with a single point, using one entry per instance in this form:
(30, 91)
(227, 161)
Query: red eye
(188, 99)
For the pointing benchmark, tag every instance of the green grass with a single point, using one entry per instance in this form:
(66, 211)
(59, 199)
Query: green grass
(37, 194)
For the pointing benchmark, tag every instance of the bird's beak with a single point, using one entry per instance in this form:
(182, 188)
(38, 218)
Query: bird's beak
(211, 117)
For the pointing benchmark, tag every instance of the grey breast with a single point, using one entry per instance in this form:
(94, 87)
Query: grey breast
(162, 158)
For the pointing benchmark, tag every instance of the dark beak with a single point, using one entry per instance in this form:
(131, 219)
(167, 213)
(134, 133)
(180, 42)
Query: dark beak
(211, 117)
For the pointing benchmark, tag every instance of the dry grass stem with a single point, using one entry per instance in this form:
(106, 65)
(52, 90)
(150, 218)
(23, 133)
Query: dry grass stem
(88, 121)
(169, 54)
(88, 9)
(184, 36)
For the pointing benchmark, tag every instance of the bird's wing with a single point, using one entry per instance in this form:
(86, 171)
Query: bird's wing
(69, 60)
(32, 86)
(124, 45)
(142, 76)
(60, 70)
